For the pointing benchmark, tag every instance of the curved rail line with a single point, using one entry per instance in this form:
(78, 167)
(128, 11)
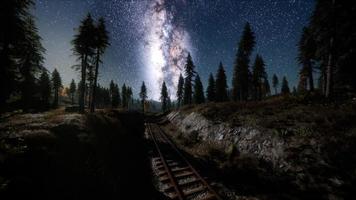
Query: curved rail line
(181, 179)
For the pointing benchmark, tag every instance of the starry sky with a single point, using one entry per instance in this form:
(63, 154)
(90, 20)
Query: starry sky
(150, 38)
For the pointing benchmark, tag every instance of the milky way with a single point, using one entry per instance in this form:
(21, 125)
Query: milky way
(165, 48)
(150, 38)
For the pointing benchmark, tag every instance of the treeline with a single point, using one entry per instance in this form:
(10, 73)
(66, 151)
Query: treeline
(327, 48)
(250, 82)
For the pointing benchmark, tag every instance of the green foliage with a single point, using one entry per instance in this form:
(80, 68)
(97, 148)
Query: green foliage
(57, 85)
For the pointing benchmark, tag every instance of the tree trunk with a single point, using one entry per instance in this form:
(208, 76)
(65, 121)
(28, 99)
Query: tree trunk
(92, 106)
(329, 72)
(83, 85)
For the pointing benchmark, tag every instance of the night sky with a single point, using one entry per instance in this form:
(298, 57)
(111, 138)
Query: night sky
(149, 38)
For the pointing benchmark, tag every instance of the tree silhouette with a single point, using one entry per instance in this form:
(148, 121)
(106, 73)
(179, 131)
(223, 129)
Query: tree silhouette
(72, 90)
(285, 87)
(307, 48)
(211, 89)
(180, 90)
(164, 97)
(45, 89)
(189, 75)
(275, 83)
(221, 85)
(57, 85)
(266, 88)
(240, 81)
(198, 91)
(14, 22)
(143, 95)
(83, 47)
(124, 96)
(101, 42)
(258, 77)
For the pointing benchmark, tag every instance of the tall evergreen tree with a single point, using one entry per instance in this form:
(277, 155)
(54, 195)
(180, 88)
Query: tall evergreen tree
(72, 90)
(14, 21)
(180, 90)
(189, 75)
(83, 47)
(143, 95)
(258, 77)
(57, 85)
(275, 83)
(266, 88)
(101, 42)
(240, 82)
(124, 96)
(211, 89)
(221, 85)
(114, 94)
(45, 89)
(285, 86)
(303, 80)
(164, 97)
(307, 50)
(198, 91)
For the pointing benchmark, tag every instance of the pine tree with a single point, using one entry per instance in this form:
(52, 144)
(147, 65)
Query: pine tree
(124, 96)
(189, 75)
(307, 48)
(303, 80)
(45, 89)
(83, 47)
(198, 91)
(57, 85)
(101, 42)
(240, 82)
(164, 97)
(143, 95)
(72, 90)
(180, 90)
(221, 85)
(14, 41)
(275, 83)
(285, 87)
(258, 76)
(211, 89)
(266, 88)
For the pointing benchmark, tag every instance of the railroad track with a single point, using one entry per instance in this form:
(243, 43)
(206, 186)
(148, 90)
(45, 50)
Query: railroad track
(178, 178)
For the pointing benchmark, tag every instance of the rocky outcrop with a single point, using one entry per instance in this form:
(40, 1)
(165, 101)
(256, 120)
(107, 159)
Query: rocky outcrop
(248, 140)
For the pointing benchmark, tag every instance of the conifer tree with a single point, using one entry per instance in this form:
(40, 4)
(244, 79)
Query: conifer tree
(211, 89)
(124, 96)
(275, 83)
(189, 75)
(307, 50)
(199, 97)
(180, 90)
(285, 87)
(45, 89)
(57, 85)
(101, 42)
(258, 76)
(240, 82)
(164, 97)
(72, 90)
(143, 96)
(83, 47)
(221, 85)
(266, 88)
